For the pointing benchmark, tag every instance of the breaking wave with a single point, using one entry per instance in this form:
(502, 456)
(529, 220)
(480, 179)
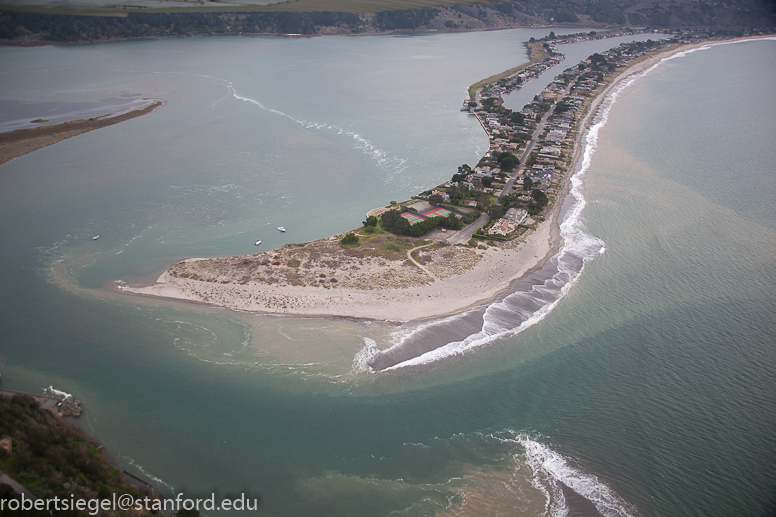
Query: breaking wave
(531, 299)
(155, 480)
(552, 472)
(515, 473)
(365, 355)
(53, 392)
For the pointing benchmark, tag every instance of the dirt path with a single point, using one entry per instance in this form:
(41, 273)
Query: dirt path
(424, 268)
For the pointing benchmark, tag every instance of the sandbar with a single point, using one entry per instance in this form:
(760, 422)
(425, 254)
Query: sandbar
(14, 144)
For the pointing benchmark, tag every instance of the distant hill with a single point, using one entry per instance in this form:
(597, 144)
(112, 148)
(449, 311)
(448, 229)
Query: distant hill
(729, 16)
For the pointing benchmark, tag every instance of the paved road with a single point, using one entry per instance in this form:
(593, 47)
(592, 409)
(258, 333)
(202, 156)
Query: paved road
(17, 487)
(464, 235)
(537, 132)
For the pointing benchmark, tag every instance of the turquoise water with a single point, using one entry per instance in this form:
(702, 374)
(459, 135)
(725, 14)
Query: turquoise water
(649, 389)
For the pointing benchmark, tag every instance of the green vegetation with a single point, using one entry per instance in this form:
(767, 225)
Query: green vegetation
(540, 200)
(392, 221)
(404, 19)
(506, 160)
(351, 239)
(537, 53)
(51, 457)
(471, 217)
(733, 17)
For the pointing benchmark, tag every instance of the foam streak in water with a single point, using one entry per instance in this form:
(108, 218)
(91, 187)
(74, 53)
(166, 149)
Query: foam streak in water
(380, 156)
(158, 482)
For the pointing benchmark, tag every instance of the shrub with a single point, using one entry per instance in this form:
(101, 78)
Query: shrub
(349, 239)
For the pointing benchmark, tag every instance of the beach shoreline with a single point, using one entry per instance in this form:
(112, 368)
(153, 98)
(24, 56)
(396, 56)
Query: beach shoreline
(496, 270)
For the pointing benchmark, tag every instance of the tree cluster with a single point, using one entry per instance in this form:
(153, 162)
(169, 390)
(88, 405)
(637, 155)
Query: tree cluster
(507, 117)
(506, 160)
(395, 223)
(349, 239)
(72, 28)
(540, 201)
(404, 19)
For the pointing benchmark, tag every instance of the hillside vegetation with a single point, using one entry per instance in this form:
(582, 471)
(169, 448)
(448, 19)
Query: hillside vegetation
(731, 16)
(51, 457)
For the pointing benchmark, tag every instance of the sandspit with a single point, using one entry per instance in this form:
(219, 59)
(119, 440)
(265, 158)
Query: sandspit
(14, 144)
(307, 280)
(387, 277)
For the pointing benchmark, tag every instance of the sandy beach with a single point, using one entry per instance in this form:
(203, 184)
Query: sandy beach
(322, 279)
(381, 289)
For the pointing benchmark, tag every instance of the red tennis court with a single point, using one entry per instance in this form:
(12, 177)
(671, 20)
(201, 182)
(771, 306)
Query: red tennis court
(438, 212)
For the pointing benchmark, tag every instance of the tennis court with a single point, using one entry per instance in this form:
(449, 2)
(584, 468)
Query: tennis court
(438, 212)
(412, 218)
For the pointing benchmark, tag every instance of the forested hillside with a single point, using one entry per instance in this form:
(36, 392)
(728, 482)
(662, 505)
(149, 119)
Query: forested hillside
(730, 16)
(52, 458)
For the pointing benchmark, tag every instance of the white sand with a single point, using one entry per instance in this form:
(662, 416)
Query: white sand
(497, 269)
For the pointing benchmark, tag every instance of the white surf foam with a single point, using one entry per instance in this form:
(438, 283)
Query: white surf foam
(548, 471)
(365, 355)
(53, 392)
(158, 482)
(505, 318)
(551, 468)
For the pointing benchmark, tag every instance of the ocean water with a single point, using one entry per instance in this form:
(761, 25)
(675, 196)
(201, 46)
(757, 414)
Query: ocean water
(648, 389)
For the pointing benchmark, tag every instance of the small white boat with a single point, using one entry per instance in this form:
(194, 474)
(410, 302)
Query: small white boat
(258, 242)
(95, 237)
(280, 228)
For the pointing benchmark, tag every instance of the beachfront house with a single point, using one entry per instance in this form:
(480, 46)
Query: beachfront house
(502, 227)
(516, 215)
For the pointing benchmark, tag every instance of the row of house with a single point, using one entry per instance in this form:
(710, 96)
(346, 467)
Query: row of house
(550, 148)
